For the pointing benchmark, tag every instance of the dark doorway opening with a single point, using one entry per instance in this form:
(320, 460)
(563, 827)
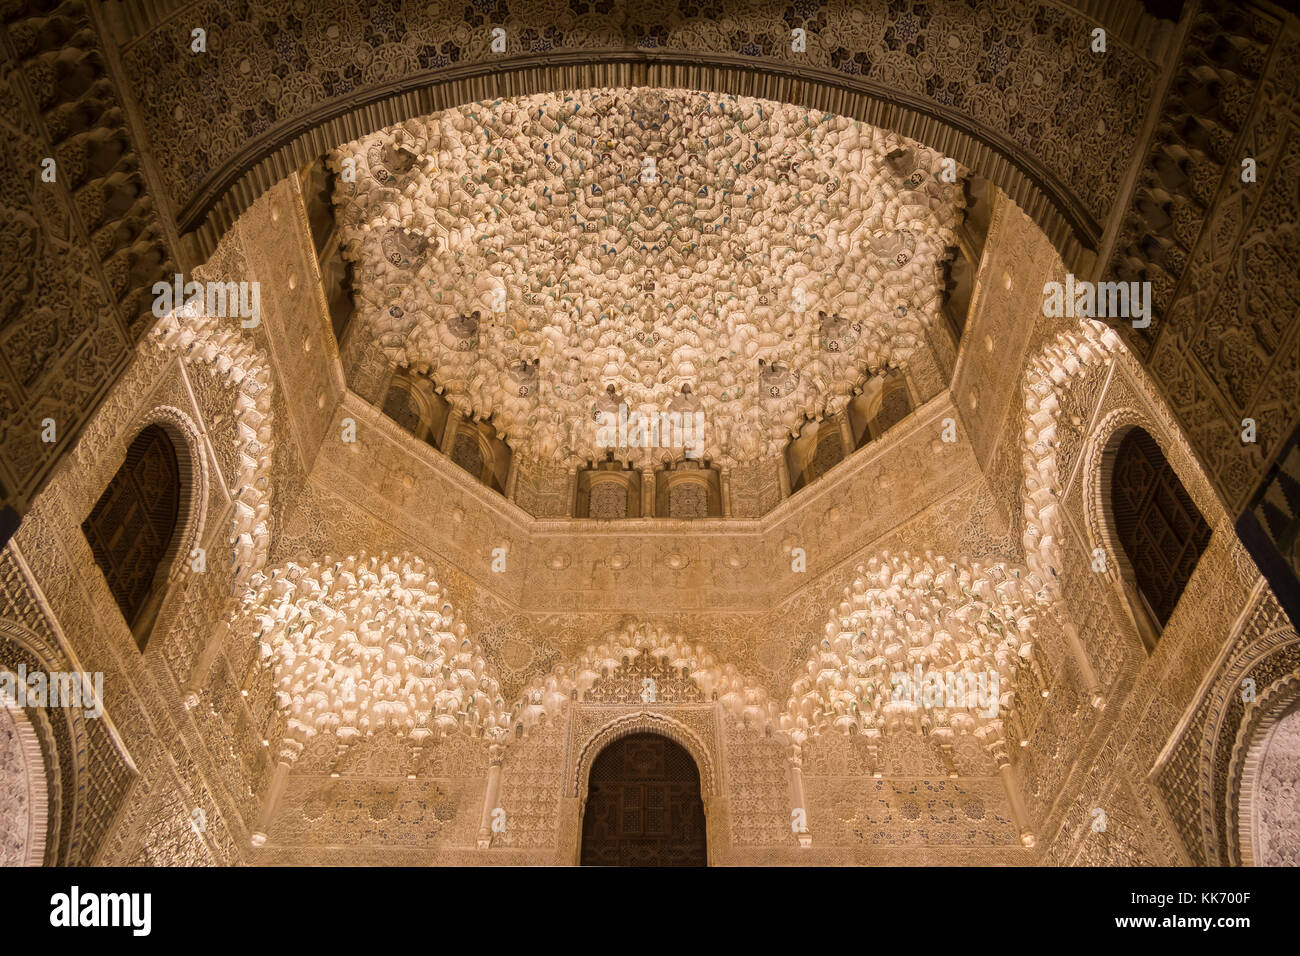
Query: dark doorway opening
(644, 806)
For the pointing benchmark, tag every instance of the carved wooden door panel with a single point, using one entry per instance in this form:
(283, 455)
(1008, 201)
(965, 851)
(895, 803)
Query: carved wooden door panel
(644, 806)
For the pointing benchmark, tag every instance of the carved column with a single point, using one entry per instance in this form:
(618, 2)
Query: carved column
(648, 491)
(512, 477)
(717, 817)
(495, 754)
(279, 780)
(1090, 682)
(724, 485)
(1019, 813)
(568, 851)
(783, 476)
(571, 490)
(199, 673)
(448, 437)
(797, 802)
(846, 433)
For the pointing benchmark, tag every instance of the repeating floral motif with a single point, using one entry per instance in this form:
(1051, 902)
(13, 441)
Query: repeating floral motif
(1022, 74)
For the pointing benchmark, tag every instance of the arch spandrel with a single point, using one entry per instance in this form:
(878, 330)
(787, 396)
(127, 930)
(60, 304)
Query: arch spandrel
(641, 664)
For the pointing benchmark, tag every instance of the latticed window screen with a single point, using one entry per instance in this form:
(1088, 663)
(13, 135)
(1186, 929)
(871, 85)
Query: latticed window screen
(467, 453)
(644, 806)
(401, 406)
(132, 523)
(686, 499)
(1160, 529)
(608, 500)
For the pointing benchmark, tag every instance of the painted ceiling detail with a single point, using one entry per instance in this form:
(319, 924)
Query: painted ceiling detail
(547, 258)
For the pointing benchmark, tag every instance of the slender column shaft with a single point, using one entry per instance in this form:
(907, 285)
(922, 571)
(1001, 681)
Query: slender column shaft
(1091, 684)
(1019, 814)
(490, 797)
(797, 801)
(279, 779)
(647, 492)
(203, 666)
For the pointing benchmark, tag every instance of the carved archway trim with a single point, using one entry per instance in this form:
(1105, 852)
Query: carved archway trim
(645, 721)
(194, 475)
(61, 756)
(1261, 717)
(1215, 736)
(268, 159)
(1097, 461)
(38, 782)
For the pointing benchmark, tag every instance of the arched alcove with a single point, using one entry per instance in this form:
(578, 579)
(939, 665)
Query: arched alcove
(1160, 532)
(644, 806)
(132, 528)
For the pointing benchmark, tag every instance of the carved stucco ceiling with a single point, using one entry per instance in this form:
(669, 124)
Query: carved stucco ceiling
(548, 257)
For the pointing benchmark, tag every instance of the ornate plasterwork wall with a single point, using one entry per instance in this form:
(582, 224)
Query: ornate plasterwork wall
(1158, 741)
(565, 582)
(198, 771)
(1114, 751)
(82, 252)
(1220, 253)
(436, 815)
(207, 133)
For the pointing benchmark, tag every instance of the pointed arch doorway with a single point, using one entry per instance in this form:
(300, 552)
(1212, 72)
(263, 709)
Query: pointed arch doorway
(644, 806)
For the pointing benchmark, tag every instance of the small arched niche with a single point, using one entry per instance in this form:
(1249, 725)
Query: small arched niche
(817, 449)
(1159, 532)
(644, 805)
(414, 403)
(881, 403)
